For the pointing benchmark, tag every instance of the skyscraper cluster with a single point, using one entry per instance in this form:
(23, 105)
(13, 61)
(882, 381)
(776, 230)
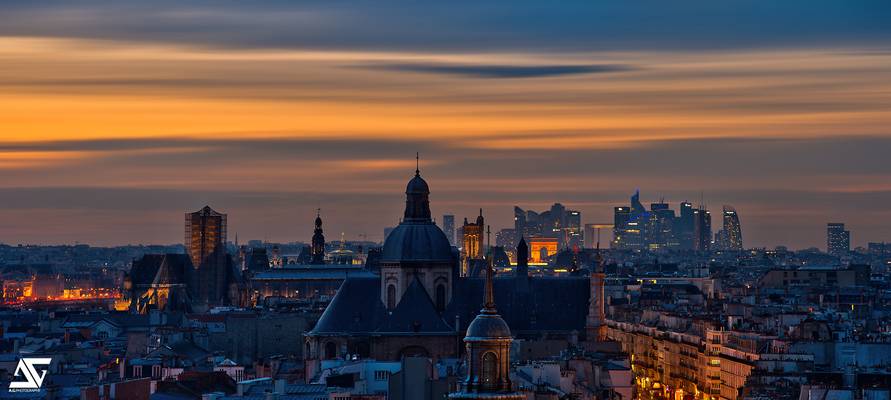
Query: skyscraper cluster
(702, 228)
(558, 223)
(636, 228)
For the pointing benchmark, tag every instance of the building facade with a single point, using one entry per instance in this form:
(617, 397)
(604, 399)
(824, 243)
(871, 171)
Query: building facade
(838, 239)
(472, 236)
(712, 364)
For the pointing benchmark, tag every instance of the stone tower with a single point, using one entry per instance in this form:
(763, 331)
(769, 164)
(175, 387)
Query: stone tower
(318, 242)
(488, 342)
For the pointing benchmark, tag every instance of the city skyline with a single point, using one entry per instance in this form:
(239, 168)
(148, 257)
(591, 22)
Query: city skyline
(117, 118)
(464, 200)
(714, 233)
(378, 235)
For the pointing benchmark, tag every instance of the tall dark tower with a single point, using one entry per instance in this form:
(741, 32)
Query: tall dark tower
(318, 242)
(702, 229)
(205, 242)
(481, 222)
(732, 229)
(838, 239)
(521, 273)
(522, 258)
(472, 242)
(596, 324)
(488, 342)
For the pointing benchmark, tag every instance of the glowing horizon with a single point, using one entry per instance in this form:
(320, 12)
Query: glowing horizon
(102, 130)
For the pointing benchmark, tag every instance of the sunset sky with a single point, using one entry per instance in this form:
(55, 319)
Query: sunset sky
(117, 117)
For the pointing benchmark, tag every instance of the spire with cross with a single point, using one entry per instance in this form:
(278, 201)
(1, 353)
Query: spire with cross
(489, 305)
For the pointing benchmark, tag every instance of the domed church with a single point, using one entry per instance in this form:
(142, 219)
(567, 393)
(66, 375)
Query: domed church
(417, 250)
(420, 306)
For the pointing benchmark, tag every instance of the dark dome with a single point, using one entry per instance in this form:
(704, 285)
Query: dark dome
(417, 242)
(487, 326)
(417, 185)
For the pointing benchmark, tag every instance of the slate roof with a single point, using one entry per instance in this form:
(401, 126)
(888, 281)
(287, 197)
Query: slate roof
(145, 270)
(195, 384)
(169, 272)
(417, 185)
(119, 319)
(417, 241)
(356, 308)
(310, 274)
(550, 304)
(415, 314)
(183, 349)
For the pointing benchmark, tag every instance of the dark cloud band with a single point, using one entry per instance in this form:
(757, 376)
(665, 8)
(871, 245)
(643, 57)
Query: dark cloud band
(503, 71)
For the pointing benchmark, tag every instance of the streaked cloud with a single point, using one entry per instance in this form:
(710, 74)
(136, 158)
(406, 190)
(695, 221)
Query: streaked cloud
(502, 71)
(137, 112)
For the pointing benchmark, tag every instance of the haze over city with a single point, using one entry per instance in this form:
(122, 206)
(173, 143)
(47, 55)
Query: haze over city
(115, 118)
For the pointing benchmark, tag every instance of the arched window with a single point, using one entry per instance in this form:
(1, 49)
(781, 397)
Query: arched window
(440, 297)
(489, 370)
(391, 297)
(330, 350)
(308, 351)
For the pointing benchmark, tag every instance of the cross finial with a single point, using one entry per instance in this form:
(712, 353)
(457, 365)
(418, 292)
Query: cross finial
(488, 235)
(318, 212)
(417, 163)
(489, 305)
